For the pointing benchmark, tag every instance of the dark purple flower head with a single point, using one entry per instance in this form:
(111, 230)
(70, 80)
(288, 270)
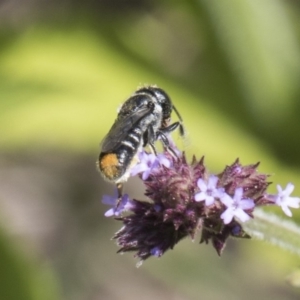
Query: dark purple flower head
(146, 232)
(184, 198)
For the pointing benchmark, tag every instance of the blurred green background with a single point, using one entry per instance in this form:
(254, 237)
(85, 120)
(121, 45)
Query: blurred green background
(231, 67)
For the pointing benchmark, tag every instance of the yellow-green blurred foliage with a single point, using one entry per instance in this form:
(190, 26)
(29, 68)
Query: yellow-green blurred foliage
(231, 67)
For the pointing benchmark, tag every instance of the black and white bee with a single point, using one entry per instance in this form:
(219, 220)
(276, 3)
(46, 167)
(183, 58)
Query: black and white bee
(143, 119)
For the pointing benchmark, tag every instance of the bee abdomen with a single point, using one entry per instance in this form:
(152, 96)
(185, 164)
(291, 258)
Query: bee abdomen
(114, 165)
(109, 166)
(133, 140)
(128, 144)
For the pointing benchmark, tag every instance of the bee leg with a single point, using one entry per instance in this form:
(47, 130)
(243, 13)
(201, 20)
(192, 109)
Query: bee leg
(173, 127)
(120, 193)
(145, 138)
(153, 149)
(150, 136)
(166, 144)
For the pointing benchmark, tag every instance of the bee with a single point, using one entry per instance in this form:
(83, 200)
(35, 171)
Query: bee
(143, 119)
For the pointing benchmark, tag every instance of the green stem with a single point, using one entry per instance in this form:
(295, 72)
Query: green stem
(275, 230)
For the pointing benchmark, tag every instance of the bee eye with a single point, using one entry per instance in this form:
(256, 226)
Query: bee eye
(150, 104)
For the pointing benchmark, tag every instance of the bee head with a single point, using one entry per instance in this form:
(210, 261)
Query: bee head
(161, 97)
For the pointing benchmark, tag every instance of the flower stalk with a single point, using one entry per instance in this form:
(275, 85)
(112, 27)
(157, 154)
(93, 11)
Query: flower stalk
(275, 230)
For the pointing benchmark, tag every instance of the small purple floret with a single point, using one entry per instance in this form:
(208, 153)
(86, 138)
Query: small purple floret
(236, 206)
(208, 191)
(157, 207)
(284, 200)
(164, 161)
(156, 251)
(149, 163)
(124, 205)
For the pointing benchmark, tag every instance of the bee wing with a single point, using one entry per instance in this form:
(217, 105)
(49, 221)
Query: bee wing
(120, 129)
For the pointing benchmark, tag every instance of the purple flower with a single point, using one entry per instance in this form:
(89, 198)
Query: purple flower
(183, 198)
(148, 163)
(124, 205)
(156, 251)
(284, 200)
(208, 191)
(164, 161)
(236, 206)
